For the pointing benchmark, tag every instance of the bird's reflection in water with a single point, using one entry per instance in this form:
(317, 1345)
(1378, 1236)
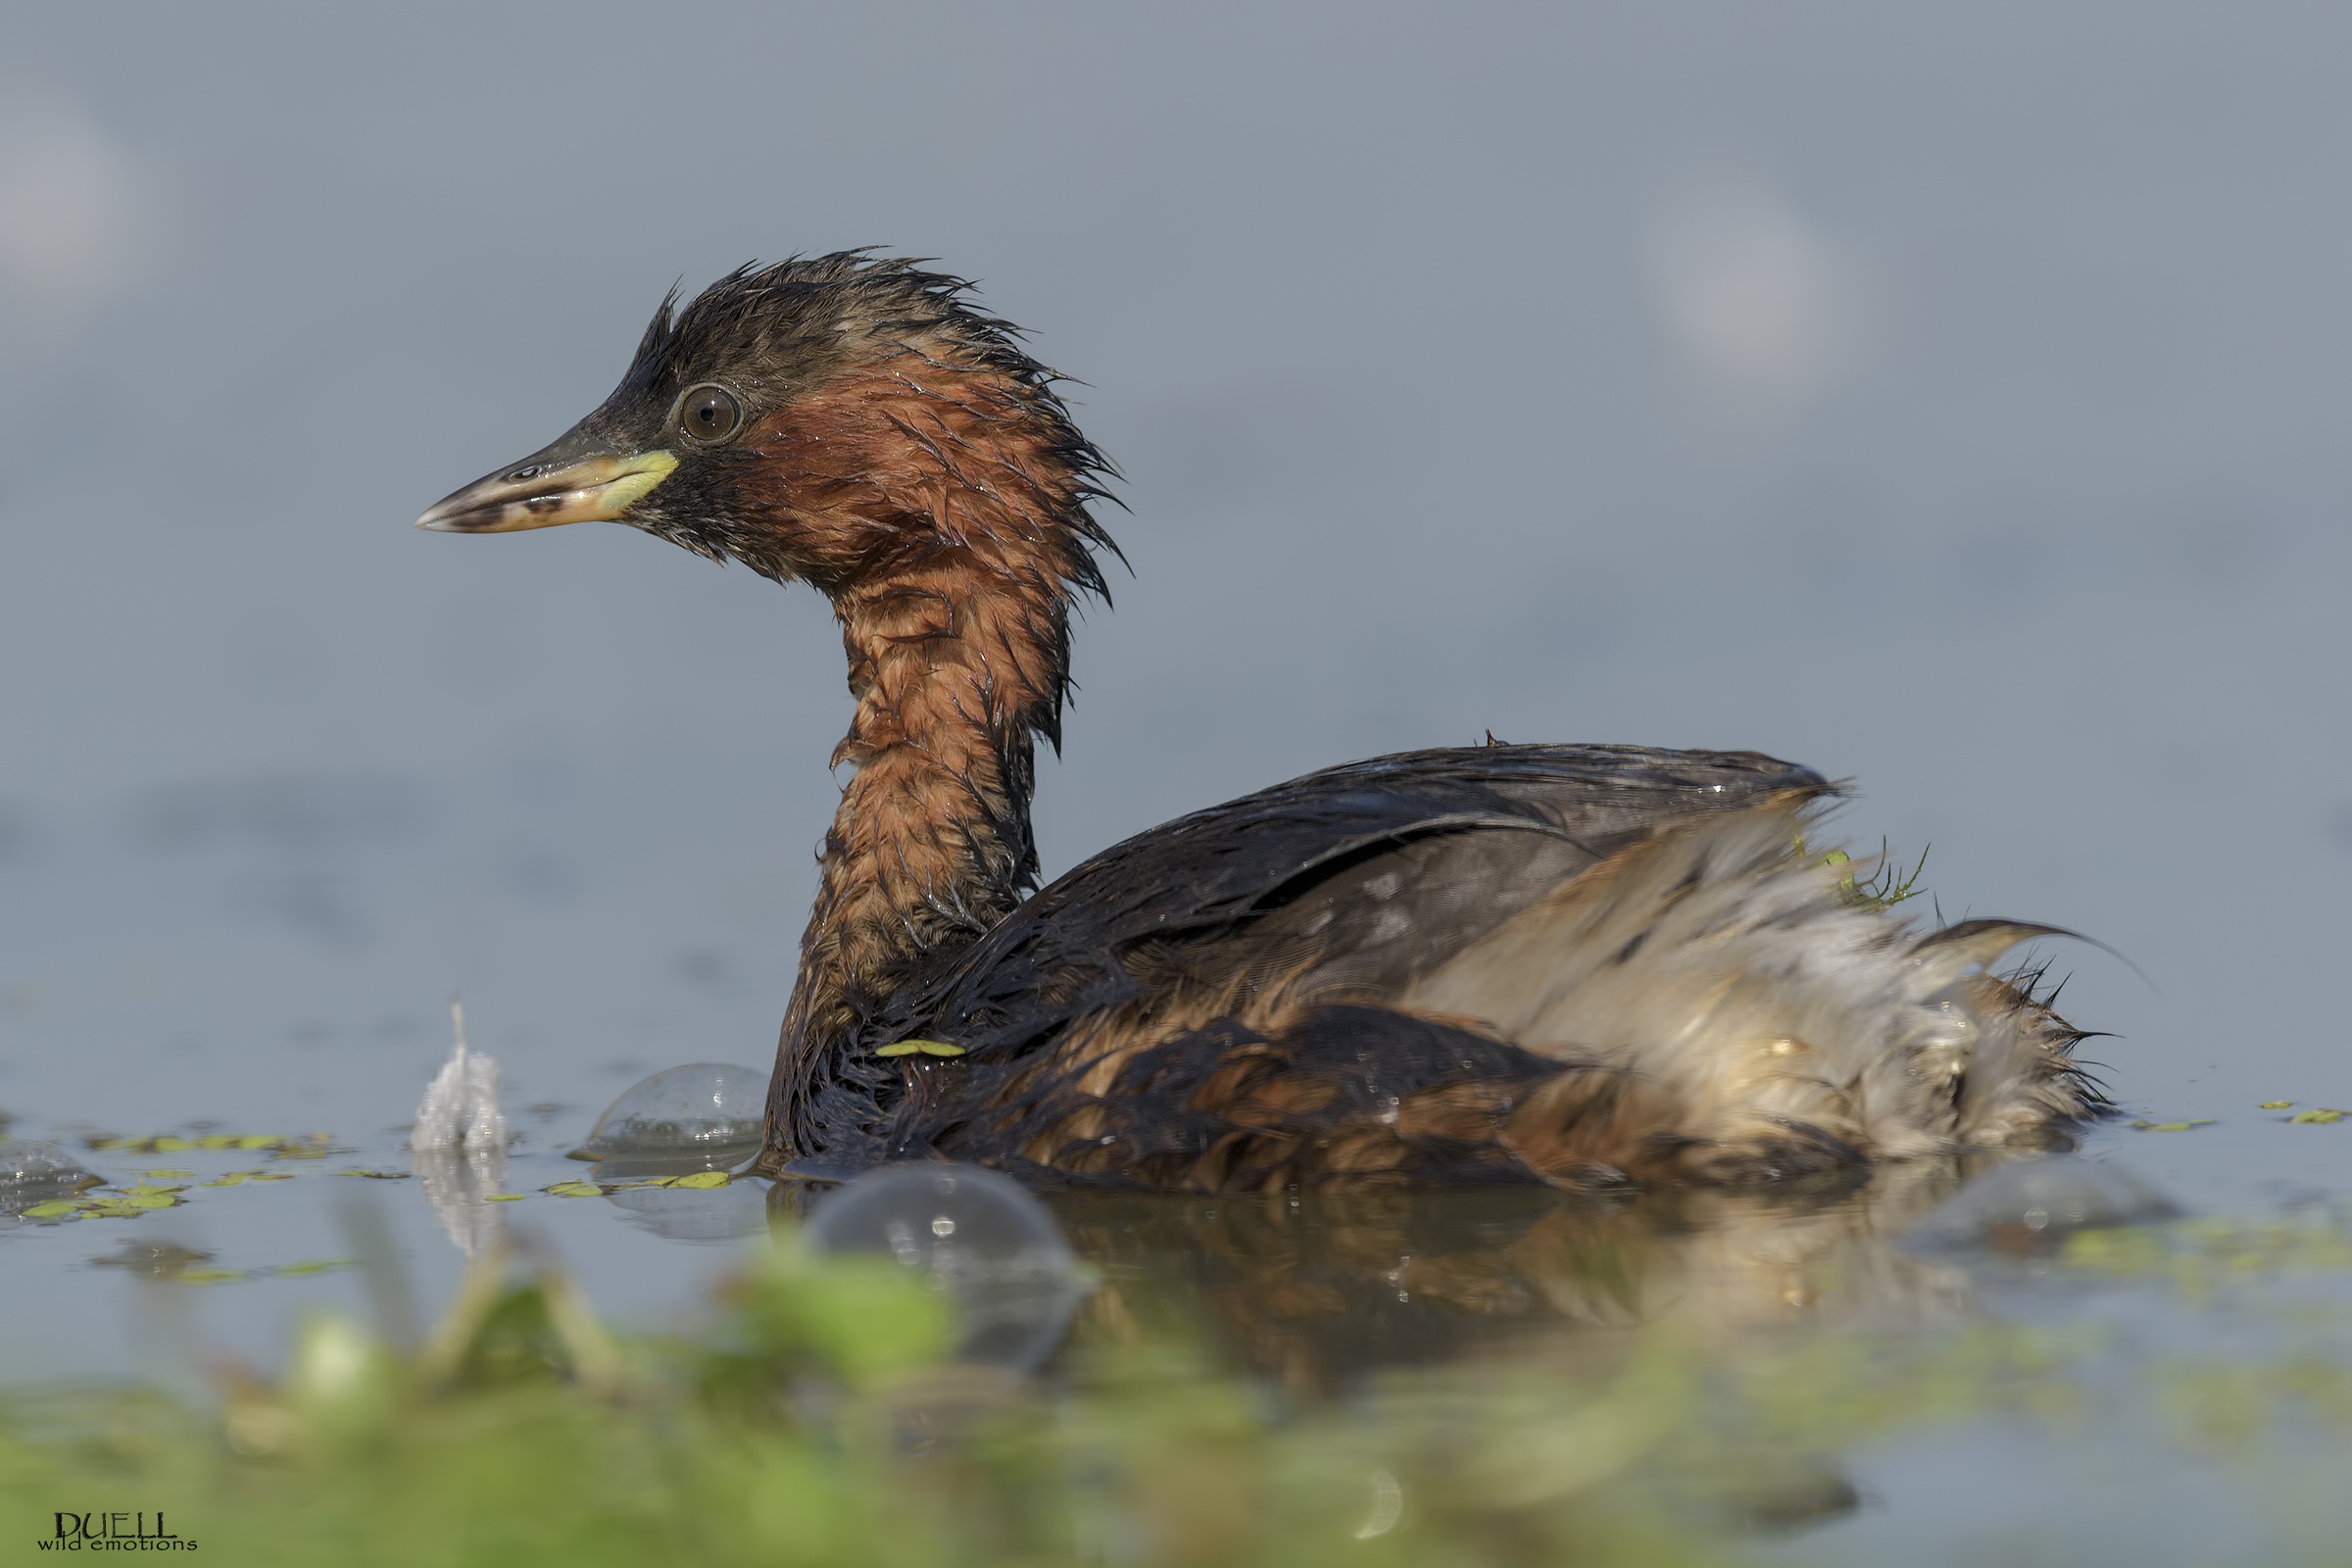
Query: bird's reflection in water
(1314, 1289)
(1320, 1292)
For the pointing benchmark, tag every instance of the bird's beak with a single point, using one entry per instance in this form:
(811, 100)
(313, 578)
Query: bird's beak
(552, 488)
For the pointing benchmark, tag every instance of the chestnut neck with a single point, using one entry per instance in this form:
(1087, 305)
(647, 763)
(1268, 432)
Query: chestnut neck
(942, 510)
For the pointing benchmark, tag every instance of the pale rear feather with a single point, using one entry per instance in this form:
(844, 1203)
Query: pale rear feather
(1761, 1000)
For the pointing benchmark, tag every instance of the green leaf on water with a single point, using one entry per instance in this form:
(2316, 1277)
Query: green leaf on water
(152, 1174)
(2317, 1116)
(574, 1190)
(173, 1144)
(2275, 1105)
(272, 1175)
(378, 1175)
(701, 1178)
(315, 1265)
(207, 1276)
(506, 1197)
(2170, 1126)
(234, 1178)
(55, 1209)
(153, 1201)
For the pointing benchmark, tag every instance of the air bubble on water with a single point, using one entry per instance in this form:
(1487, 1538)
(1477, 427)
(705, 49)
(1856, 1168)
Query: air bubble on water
(706, 1113)
(33, 1172)
(982, 1239)
(29, 1162)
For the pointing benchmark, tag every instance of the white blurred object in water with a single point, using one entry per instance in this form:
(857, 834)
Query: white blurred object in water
(462, 1185)
(460, 1147)
(1756, 301)
(66, 208)
(459, 1108)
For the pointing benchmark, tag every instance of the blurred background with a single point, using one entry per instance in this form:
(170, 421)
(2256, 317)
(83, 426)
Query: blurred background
(1949, 398)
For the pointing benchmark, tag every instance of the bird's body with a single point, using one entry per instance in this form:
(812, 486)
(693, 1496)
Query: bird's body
(1582, 966)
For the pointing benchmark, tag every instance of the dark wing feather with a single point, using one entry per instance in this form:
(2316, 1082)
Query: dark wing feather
(1470, 837)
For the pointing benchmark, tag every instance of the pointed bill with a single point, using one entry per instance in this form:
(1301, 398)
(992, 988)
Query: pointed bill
(542, 494)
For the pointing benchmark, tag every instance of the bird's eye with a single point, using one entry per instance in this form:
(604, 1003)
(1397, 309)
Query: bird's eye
(709, 414)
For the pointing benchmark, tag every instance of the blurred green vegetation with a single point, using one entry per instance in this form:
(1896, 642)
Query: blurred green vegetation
(815, 1420)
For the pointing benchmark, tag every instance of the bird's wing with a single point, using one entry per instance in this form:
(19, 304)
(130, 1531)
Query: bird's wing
(1565, 963)
(1347, 883)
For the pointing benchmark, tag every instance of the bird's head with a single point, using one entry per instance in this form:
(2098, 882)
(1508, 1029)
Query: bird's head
(839, 418)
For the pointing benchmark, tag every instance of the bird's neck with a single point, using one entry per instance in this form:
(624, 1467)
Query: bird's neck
(973, 533)
(931, 845)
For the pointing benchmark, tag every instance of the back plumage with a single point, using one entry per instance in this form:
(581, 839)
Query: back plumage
(1582, 965)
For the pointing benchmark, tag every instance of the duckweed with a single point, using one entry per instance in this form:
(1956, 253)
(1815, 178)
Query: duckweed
(107, 1202)
(928, 1048)
(307, 1146)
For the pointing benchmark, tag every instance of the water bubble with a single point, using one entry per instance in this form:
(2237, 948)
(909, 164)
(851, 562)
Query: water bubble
(33, 1172)
(27, 1161)
(981, 1238)
(2031, 1206)
(705, 1116)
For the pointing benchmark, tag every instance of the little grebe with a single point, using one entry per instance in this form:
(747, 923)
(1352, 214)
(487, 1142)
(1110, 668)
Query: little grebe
(1577, 964)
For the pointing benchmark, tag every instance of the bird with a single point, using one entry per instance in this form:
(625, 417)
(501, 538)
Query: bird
(1590, 967)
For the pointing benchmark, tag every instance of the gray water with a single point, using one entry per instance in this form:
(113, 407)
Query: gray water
(1949, 399)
